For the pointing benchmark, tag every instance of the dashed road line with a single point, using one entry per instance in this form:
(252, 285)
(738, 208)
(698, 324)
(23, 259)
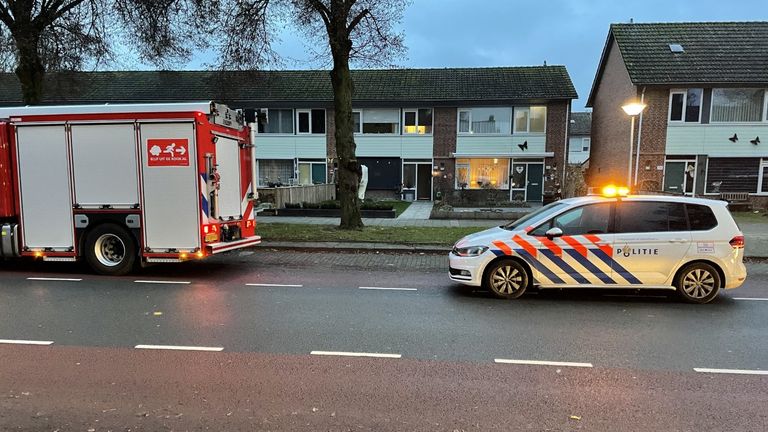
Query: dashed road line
(162, 282)
(731, 371)
(388, 289)
(178, 348)
(54, 279)
(751, 298)
(274, 285)
(24, 342)
(543, 363)
(355, 354)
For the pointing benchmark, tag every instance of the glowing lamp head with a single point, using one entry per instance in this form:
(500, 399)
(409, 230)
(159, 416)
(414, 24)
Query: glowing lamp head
(633, 108)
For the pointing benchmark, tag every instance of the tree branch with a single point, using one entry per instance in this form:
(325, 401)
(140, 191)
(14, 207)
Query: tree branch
(356, 20)
(5, 15)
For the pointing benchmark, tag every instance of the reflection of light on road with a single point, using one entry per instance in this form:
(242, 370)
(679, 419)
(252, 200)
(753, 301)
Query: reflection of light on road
(202, 305)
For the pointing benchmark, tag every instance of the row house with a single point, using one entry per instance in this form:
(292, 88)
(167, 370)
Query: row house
(704, 130)
(422, 133)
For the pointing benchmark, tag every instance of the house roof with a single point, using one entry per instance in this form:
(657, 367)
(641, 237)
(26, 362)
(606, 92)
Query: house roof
(729, 53)
(581, 123)
(314, 86)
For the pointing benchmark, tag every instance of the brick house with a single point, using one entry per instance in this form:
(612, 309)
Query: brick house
(421, 132)
(704, 85)
(579, 141)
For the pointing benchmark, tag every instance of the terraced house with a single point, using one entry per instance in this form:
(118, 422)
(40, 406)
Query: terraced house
(421, 132)
(705, 128)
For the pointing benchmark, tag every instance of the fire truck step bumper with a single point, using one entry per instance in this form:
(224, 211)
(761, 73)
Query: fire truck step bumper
(237, 244)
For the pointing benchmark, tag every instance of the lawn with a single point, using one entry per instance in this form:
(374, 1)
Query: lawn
(398, 206)
(749, 217)
(443, 236)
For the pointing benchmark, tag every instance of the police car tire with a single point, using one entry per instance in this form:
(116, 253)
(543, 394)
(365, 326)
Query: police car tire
(122, 245)
(687, 270)
(516, 272)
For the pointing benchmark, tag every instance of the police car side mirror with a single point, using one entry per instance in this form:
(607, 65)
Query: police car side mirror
(554, 232)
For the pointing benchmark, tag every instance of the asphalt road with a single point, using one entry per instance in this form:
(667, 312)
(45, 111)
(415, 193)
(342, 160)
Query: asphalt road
(262, 335)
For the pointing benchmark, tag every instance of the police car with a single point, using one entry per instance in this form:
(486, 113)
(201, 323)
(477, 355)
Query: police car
(612, 240)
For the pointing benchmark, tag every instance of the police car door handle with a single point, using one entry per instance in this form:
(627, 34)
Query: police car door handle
(678, 240)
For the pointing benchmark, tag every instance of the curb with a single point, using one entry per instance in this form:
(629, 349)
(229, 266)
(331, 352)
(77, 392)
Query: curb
(356, 247)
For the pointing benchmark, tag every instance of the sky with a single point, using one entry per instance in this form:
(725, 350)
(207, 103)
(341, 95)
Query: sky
(482, 33)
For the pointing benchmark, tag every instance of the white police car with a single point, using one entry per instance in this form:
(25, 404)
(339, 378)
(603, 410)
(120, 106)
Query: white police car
(637, 241)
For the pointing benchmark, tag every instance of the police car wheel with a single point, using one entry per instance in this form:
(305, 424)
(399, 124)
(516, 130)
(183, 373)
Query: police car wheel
(110, 250)
(507, 279)
(698, 283)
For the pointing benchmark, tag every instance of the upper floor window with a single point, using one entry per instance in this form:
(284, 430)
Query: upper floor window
(585, 144)
(530, 119)
(494, 120)
(737, 104)
(417, 121)
(279, 121)
(378, 121)
(310, 121)
(685, 105)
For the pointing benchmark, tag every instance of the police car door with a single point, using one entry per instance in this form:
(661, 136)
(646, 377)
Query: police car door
(651, 239)
(581, 255)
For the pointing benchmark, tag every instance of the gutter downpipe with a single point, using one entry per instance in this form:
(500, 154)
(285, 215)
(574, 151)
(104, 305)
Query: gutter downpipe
(639, 138)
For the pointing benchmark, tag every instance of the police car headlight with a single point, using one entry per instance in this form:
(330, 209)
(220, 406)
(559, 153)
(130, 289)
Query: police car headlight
(471, 251)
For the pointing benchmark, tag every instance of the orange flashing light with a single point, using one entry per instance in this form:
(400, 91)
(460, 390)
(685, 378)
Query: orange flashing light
(200, 254)
(612, 191)
(38, 254)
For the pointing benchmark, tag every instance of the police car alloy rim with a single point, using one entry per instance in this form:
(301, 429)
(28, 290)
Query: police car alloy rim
(698, 283)
(506, 279)
(110, 250)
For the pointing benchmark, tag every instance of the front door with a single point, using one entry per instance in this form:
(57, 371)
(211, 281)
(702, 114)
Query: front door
(424, 182)
(679, 177)
(535, 186)
(518, 181)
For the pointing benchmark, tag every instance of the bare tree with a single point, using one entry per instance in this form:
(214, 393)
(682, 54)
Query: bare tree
(361, 31)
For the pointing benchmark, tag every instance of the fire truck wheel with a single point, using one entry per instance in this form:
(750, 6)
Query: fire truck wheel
(110, 250)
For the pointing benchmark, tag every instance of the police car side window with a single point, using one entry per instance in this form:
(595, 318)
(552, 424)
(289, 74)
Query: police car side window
(701, 217)
(650, 216)
(588, 219)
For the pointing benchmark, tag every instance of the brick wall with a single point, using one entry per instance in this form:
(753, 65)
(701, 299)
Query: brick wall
(557, 127)
(653, 139)
(330, 139)
(444, 145)
(608, 157)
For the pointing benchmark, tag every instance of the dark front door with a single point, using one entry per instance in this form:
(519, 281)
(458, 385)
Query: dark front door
(535, 186)
(674, 177)
(424, 182)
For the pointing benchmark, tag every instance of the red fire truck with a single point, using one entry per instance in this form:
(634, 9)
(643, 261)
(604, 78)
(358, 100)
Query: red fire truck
(118, 185)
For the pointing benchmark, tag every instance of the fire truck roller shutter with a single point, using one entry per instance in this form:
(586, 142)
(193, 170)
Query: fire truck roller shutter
(171, 199)
(46, 199)
(230, 196)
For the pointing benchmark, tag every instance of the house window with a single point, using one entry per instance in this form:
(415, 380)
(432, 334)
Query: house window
(585, 144)
(530, 119)
(417, 121)
(356, 124)
(275, 172)
(737, 105)
(733, 175)
(312, 172)
(280, 121)
(381, 121)
(482, 173)
(495, 120)
(310, 121)
(685, 105)
(763, 187)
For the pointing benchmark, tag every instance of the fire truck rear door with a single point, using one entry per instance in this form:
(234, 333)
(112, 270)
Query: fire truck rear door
(170, 198)
(228, 160)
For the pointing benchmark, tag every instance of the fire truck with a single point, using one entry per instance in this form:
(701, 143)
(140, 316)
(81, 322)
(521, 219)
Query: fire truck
(121, 185)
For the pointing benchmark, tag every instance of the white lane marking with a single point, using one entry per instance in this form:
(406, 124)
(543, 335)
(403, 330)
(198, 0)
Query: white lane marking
(543, 363)
(273, 285)
(24, 342)
(54, 279)
(388, 289)
(355, 354)
(179, 348)
(162, 282)
(732, 371)
(751, 298)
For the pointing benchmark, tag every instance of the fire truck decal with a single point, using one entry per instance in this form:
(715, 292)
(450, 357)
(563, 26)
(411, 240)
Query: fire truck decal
(204, 205)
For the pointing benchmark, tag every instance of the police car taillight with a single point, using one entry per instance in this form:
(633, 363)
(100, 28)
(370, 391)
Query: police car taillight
(737, 242)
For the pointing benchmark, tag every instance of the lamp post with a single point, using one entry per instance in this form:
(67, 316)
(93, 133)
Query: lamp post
(632, 109)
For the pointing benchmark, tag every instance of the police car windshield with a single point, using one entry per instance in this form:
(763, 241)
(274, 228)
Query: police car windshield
(535, 217)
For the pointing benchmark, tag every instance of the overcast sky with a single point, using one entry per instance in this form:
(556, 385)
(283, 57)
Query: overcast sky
(477, 33)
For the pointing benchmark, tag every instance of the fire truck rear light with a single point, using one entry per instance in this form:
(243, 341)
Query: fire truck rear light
(211, 237)
(206, 229)
(200, 254)
(184, 255)
(737, 242)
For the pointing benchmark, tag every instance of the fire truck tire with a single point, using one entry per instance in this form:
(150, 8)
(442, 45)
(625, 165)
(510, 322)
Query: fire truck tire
(110, 250)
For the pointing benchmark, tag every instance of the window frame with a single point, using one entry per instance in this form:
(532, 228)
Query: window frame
(763, 166)
(418, 121)
(311, 163)
(611, 217)
(359, 130)
(362, 122)
(527, 130)
(588, 140)
(469, 113)
(293, 123)
(763, 117)
(308, 111)
(468, 166)
(684, 112)
(469, 121)
(617, 218)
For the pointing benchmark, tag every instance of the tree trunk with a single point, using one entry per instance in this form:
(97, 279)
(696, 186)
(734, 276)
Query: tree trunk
(30, 70)
(349, 171)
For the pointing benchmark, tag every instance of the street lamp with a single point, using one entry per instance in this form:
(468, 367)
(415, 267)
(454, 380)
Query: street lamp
(632, 109)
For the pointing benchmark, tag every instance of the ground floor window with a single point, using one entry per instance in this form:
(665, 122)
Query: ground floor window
(475, 173)
(417, 179)
(312, 172)
(275, 172)
(733, 175)
(383, 173)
